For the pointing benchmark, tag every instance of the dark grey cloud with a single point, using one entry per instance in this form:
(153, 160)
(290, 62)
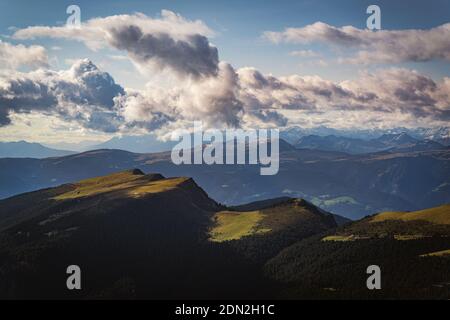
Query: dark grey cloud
(192, 55)
(268, 92)
(169, 41)
(271, 117)
(383, 46)
(4, 116)
(24, 95)
(97, 87)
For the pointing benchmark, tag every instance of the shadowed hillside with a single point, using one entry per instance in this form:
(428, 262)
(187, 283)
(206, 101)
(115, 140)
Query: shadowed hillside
(134, 235)
(137, 235)
(146, 236)
(271, 226)
(410, 248)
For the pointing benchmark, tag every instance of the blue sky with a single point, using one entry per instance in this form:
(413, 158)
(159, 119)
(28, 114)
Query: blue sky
(318, 73)
(239, 25)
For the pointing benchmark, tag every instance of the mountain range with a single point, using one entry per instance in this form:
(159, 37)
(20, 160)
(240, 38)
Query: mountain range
(148, 143)
(440, 134)
(23, 149)
(353, 141)
(350, 185)
(147, 236)
(386, 142)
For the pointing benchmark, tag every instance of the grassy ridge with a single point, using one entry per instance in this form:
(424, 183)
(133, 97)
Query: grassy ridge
(157, 186)
(412, 250)
(99, 185)
(442, 253)
(143, 246)
(132, 183)
(231, 225)
(279, 217)
(437, 215)
(400, 226)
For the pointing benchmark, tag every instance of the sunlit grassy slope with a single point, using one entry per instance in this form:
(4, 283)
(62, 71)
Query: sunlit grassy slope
(234, 225)
(443, 253)
(341, 238)
(131, 183)
(401, 226)
(437, 215)
(101, 193)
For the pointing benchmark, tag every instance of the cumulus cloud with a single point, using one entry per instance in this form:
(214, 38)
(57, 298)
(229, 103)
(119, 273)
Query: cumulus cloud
(167, 42)
(405, 91)
(233, 98)
(263, 118)
(83, 94)
(268, 92)
(213, 100)
(385, 46)
(389, 96)
(14, 56)
(248, 98)
(193, 55)
(213, 91)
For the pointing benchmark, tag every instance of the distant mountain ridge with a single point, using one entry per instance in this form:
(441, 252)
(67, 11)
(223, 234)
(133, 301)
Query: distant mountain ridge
(349, 185)
(140, 144)
(149, 143)
(352, 141)
(440, 134)
(23, 149)
(396, 139)
(386, 142)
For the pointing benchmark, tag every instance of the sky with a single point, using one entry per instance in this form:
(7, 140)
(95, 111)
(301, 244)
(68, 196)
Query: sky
(155, 66)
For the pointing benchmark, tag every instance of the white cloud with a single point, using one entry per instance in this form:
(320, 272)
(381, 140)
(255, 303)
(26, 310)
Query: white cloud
(382, 46)
(212, 99)
(248, 98)
(14, 56)
(34, 127)
(82, 93)
(304, 54)
(118, 57)
(395, 96)
(167, 42)
(213, 91)
(232, 98)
